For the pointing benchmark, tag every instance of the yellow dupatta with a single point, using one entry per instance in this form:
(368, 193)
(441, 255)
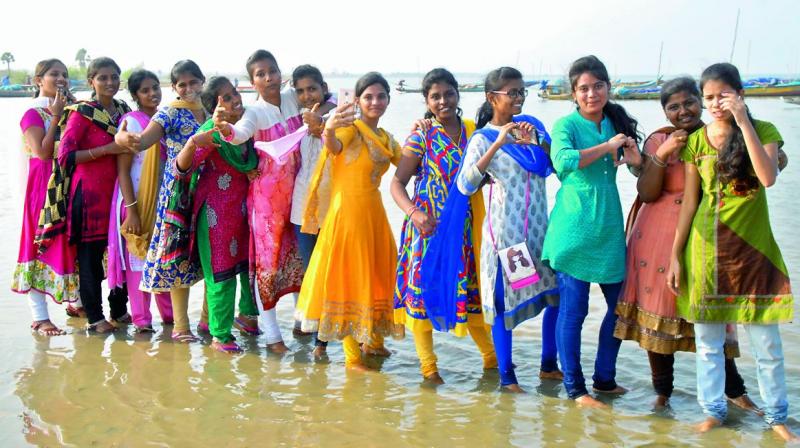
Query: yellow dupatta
(478, 209)
(382, 148)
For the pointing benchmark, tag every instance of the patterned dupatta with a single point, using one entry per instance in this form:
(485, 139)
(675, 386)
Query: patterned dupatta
(382, 149)
(53, 217)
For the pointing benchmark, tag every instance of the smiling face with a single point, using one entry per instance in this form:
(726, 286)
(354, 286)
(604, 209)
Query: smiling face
(231, 100)
(442, 101)
(510, 101)
(188, 87)
(266, 78)
(149, 94)
(55, 78)
(310, 92)
(373, 102)
(105, 83)
(590, 93)
(683, 111)
(713, 92)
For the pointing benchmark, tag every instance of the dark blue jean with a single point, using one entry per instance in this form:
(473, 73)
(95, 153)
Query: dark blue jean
(573, 309)
(305, 245)
(502, 338)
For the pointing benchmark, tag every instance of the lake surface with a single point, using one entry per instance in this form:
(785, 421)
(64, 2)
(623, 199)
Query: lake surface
(126, 390)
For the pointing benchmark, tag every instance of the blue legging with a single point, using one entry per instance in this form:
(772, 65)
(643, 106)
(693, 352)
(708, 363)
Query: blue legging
(502, 337)
(574, 307)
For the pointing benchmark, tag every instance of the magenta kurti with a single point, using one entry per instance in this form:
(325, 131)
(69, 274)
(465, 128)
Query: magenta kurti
(52, 272)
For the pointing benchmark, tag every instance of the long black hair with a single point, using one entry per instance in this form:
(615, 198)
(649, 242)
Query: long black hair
(438, 76)
(622, 122)
(370, 79)
(733, 161)
(495, 80)
(136, 79)
(185, 67)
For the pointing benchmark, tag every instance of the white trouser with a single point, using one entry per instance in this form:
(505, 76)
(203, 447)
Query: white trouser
(38, 303)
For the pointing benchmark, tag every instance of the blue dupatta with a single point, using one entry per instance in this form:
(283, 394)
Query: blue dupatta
(442, 262)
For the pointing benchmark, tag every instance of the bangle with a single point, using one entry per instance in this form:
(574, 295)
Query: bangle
(131, 204)
(411, 210)
(657, 161)
(92, 154)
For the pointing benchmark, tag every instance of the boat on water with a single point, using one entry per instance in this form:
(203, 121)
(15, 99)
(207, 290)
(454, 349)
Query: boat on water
(17, 91)
(557, 90)
(792, 100)
(789, 88)
(402, 87)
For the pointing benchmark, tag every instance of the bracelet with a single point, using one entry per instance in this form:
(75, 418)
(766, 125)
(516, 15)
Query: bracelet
(92, 154)
(131, 204)
(411, 210)
(657, 162)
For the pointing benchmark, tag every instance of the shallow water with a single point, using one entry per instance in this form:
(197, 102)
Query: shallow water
(126, 390)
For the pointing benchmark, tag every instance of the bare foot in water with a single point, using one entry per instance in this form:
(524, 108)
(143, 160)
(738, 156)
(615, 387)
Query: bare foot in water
(555, 375)
(708, 424)
(786, 434)
(357, 367)
(320, 352)
(513, 388)
(744, 402)
(588, 401)
(375, 351)
(661, 402)
(619, 390)
(434, 378)
(278, 348)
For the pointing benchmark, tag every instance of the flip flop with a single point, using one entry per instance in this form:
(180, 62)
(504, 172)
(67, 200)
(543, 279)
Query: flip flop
(202, 328)
(183, 337)
(143, 329)
(52, 330)
(75, 311)
(125, 319)
(92, 328)
(242, 326)
(226, 347)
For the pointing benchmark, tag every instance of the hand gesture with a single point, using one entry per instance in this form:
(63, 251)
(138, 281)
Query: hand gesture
(58, 104)
(128, 140)
(131, 224)
(423, 124)
(344, 115)
(734, 103)
(221, 117)
(674, 276)
(314, 121)
(253, 174)
(503, 136)
(615, 143)
(205, 139)
(672, 145)
(630, 153)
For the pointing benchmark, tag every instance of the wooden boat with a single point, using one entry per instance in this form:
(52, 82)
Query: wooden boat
(630, 93)
(555, 91)
(17, 91)
(403, 88)
(782, 89)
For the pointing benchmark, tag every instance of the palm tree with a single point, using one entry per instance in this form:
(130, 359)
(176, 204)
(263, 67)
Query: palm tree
(80, 58)
(8, 58)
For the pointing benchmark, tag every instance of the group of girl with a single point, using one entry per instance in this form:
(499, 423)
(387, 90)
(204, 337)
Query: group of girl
(195, 191)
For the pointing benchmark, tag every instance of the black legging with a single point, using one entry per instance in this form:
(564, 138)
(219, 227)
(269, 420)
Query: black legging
(662, 369)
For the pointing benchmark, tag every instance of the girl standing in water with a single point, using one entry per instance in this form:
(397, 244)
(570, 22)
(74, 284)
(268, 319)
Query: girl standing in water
(134, 206)
(51, 273)
(175, 124)
(726, 266)
(434, 157)
(585, 241)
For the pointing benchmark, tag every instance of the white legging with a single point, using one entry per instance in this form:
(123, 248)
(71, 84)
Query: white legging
(268, 321)
(38, 303)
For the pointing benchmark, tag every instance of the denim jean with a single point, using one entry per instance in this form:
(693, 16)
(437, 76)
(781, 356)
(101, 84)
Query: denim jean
(305, 245)
(502, 337)
(573, 309)
(765, 341)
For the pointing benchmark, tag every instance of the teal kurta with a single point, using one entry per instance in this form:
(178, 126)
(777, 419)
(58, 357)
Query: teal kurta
(586, 235)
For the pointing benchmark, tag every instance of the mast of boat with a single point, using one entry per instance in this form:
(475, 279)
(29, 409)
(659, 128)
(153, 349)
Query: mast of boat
(735, 32)
(660, 53)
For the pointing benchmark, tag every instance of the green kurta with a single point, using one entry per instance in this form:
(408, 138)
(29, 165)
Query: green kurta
(733, 269)
(586, 235)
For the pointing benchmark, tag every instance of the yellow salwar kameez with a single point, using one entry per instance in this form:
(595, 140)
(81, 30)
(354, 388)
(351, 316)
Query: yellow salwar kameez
(348, 288)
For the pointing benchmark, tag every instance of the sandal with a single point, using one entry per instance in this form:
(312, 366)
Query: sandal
(125, 319)
(244, 326)
(75, 311)
(202, 328)
(101, 327)
(143, 329)
(183, 337)
(47, 328)
(225, 347)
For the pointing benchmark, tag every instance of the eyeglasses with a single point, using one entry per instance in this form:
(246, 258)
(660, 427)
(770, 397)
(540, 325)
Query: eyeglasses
(513, 93)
